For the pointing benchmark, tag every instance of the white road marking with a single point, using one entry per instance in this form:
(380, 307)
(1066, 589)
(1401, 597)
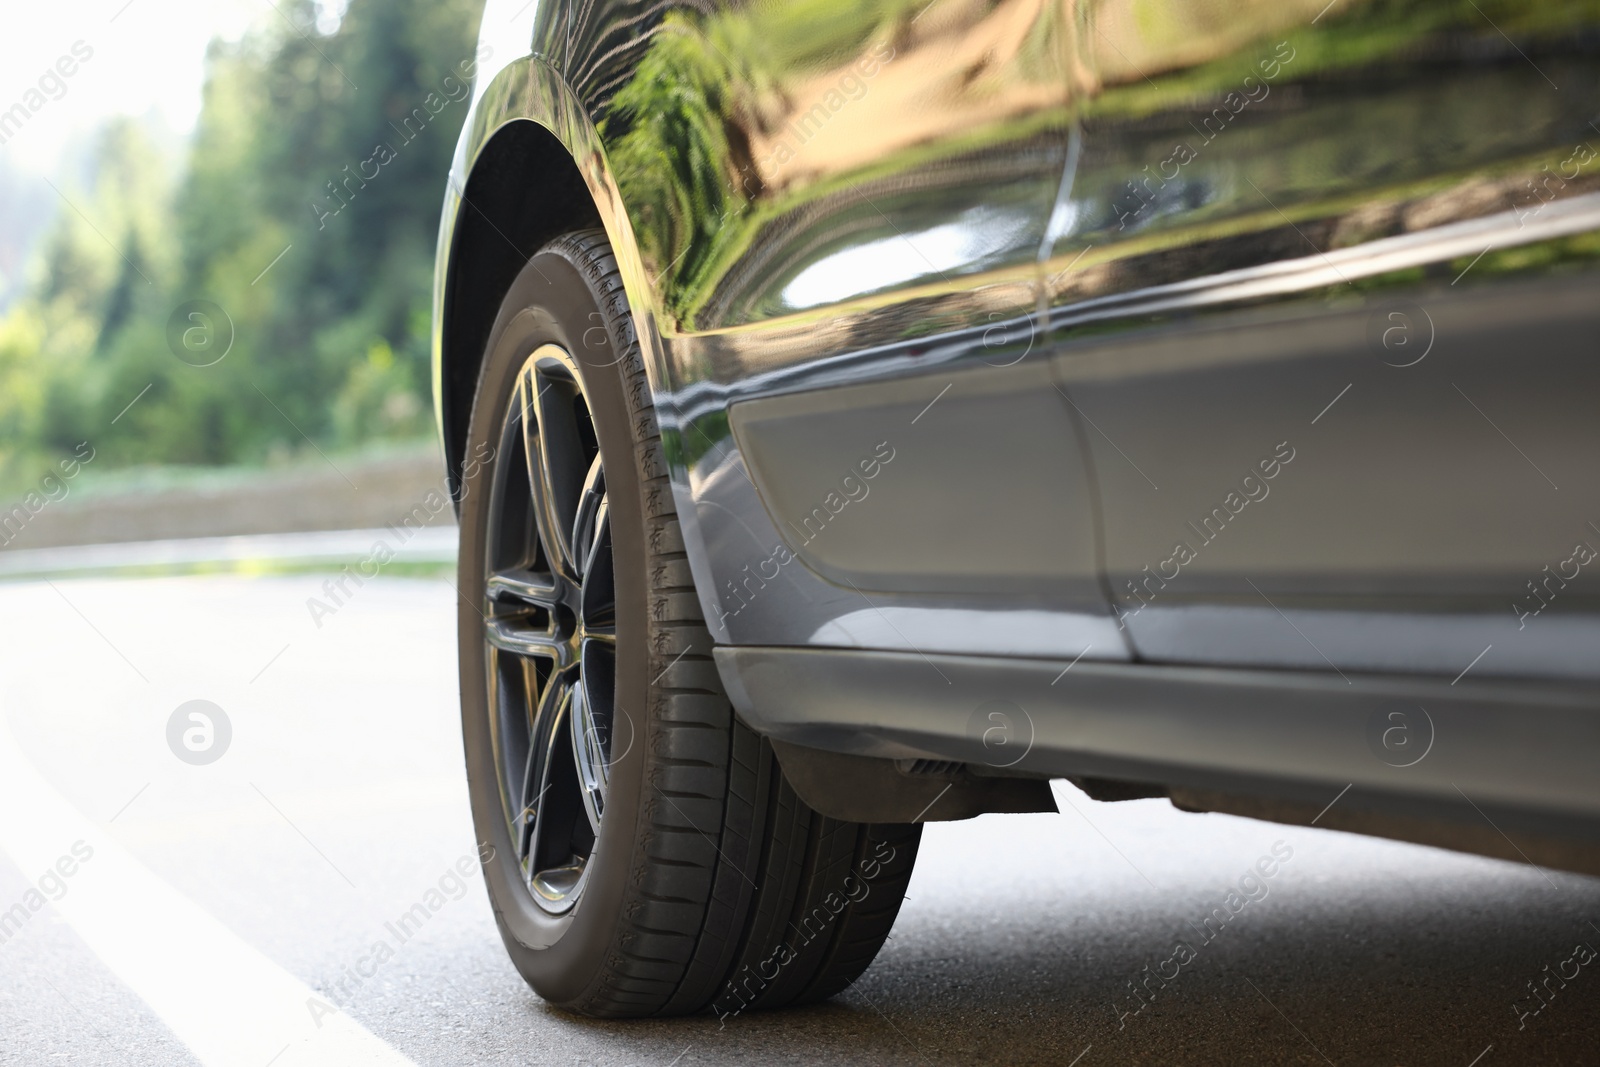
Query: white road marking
(222, 998)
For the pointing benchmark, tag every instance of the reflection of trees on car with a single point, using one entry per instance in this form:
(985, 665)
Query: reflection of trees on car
(696, 129)
(1194, 165)
(762, 115)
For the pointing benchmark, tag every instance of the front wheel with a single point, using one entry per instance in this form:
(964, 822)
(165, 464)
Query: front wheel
(646, 855)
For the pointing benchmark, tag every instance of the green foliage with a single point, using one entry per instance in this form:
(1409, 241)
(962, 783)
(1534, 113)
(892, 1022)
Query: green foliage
(681, 165)
(331, 342)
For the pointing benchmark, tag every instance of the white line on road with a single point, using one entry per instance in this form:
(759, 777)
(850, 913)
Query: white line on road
(222, 998)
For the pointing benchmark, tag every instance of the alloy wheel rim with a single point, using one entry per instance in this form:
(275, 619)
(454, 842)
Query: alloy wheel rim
(549, 607)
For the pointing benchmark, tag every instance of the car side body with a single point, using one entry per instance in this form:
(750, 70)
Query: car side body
(1191, 401)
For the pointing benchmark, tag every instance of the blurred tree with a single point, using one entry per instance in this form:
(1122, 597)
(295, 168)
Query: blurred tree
(327, 150)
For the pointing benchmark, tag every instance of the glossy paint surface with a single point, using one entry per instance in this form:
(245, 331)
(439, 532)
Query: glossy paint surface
(1104, 265)
(1413, 412)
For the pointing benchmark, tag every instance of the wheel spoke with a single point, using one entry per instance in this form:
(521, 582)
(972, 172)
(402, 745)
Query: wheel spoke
(511, 680)
(549, 720)
(588, 522)
(556, 460)
(598, 606)
(513, 533)
(589, 745)
(524, 587)
(510, 636)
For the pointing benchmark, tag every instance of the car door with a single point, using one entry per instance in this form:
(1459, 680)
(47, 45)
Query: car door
(841, 208)
(1325, 311)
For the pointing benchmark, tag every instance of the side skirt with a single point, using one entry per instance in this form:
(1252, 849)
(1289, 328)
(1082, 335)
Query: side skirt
(1490, 766)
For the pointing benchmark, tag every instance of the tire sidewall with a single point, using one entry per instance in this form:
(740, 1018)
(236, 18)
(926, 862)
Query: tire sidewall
(559, 299)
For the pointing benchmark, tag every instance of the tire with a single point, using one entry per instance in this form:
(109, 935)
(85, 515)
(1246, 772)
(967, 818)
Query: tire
(696, 878)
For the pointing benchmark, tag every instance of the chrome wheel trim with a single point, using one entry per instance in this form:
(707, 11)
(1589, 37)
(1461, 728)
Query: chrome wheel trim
(549, 607)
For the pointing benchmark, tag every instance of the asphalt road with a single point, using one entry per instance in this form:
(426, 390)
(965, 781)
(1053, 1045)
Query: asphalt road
(230, 913)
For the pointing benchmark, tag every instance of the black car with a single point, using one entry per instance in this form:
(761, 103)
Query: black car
(860, 414)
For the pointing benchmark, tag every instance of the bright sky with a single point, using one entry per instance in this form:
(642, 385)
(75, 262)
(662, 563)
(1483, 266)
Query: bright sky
(147, 54)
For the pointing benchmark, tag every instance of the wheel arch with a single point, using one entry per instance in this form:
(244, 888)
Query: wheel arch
(524, 190)
(529, 167)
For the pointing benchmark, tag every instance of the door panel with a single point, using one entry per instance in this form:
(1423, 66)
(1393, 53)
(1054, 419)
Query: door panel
(1351, 248)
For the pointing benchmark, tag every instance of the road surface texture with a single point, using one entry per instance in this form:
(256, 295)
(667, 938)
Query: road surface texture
(243, 911)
